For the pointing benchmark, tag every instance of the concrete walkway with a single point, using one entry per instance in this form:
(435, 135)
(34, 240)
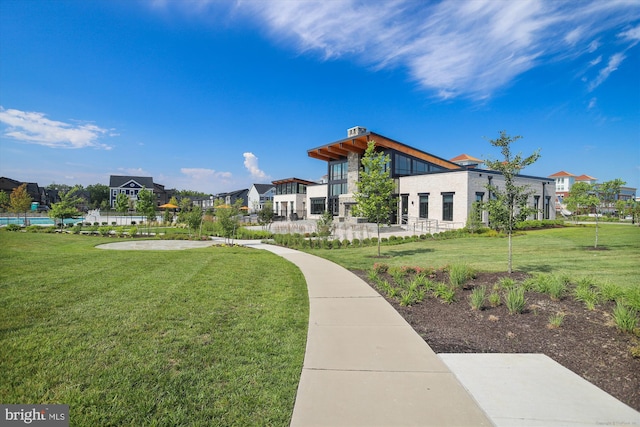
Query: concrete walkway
(365, 366)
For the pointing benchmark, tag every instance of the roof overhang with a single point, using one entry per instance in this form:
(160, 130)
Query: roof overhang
(358, 144)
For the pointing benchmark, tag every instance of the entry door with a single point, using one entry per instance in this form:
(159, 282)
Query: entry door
(404, 208)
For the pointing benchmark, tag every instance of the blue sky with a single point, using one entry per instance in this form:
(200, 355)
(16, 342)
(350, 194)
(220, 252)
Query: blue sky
(216, 95)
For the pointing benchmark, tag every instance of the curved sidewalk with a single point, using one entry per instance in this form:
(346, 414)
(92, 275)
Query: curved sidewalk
(364, 365)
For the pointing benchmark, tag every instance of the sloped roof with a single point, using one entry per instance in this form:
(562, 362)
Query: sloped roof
(586, 178)
(301, 181)
(560, 174)
(120, 180)
(465, 158)
(358, 144)
(263, 188)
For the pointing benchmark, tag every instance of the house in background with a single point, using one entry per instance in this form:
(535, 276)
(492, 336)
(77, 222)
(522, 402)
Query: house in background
(231, 197)
(429, 189)
(259, 194)
(131, 186)
(290, 200)
(39, 195)
(565, 180)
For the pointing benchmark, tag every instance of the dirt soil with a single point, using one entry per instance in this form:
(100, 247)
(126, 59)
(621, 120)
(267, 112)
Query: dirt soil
(587, 343)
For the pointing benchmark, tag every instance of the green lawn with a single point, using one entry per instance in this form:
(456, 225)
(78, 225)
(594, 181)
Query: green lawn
(558, 251)
(212, 336)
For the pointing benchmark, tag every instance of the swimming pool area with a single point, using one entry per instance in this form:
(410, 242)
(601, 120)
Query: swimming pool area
(35, 220)
(92, 217)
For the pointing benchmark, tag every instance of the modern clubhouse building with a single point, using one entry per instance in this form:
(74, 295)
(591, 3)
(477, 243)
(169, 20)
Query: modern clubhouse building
(430, 190)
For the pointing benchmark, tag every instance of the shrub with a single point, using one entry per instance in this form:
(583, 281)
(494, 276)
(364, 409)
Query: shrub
(346, 243)
(459, 274)
(380, 267)
(355, 242)
(336, 244)
(515, 300)
(587, 295)
(477, 297)
(407, 298)
(114, 223)
(32, 229)
(624, 317)
(557, 288)
(610, 291)
(445, 292)
(104, 230)
(76, 229)
(506, 283)
(133, 223)
(133, 231)
(119, 231)
(494, 299)
(555, 320)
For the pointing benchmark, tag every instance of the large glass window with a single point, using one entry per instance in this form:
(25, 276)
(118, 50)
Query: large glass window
(317, 205)
(547, 204)
(338, 171)
(424, 206)
(447, 206)
(402, 165)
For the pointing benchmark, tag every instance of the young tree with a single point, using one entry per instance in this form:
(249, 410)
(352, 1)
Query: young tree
(146, 206)
(67, 207)
(594, 196)
(375, 189)
(265, 215)
(193, 219)
(20, 201)
(509, 204)
(608, 192)
(227, 217)
(122, 203)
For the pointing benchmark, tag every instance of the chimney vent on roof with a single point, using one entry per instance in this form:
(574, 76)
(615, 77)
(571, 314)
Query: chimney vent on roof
(355, 131)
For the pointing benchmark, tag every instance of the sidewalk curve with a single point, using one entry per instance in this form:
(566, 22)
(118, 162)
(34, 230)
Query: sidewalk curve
(364, 365)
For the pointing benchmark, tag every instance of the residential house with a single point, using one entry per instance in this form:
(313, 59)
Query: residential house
(429, 189)
(259, 194)
(565, 180)
(290, 200)
(129, 185)
(39, 195)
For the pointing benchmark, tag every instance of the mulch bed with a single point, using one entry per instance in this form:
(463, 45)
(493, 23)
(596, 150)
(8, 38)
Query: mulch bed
(587, 342)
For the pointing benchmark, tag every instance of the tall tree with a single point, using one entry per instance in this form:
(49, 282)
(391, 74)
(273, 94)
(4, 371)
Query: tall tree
(374, 199)
(20, 201)
(146, 206)
(67, 207)
(98, 193)
(509, 204)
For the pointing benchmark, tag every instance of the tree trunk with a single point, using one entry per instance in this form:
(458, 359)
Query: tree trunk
(378, 224)
(510, 253)
(596, 244)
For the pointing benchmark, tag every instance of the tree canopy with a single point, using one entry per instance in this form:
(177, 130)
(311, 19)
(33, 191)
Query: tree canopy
(67, 207)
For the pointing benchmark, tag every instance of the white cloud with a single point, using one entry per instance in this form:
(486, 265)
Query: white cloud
(632, 35)
(592, 103)
(205, 174)
(35, 128)
(251, 163)
(452, 48)
(595, 61)
(613, 64)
